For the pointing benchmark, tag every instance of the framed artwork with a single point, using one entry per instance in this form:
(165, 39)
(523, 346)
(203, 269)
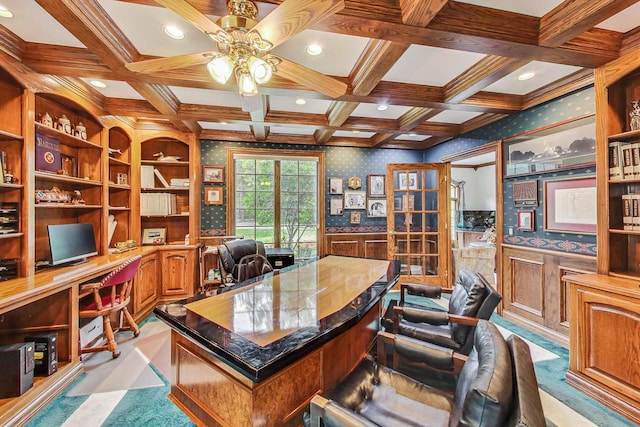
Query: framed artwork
(354, 200)
(376, 208)
(213, 196)
(154, 236)
(407, 180)
(335, 185)
(376, 186)
(355, 218)
(525, 193)
(570, 205)
(336, 206)
(525, 220)
(408, 202)
(213, 174)
(354, 182)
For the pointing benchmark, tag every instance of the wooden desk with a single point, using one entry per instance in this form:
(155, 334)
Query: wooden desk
(255, 354)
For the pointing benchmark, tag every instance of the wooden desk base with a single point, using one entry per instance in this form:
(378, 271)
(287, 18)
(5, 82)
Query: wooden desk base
(212, 393)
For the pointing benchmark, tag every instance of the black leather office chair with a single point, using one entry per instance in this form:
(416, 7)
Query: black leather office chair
(496, 387)
(472, 298)
(232, 252)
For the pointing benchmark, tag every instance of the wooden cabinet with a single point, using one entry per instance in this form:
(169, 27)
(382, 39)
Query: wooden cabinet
(603, 363)
(145, 287)
(120, 219)
(179, 276)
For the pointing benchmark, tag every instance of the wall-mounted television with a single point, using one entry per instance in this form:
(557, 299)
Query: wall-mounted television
(71, 243)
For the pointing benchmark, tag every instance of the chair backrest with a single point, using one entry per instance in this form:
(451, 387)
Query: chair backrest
(230, 253)
(114, 289)
(485, 390)
(253, 265)
(466, 297)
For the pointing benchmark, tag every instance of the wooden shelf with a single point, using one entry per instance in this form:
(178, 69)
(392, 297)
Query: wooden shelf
(11, 235)
(65, 138)
(4, 186)
(165, 189)
(161, 163)
(66, 206)
(9, 135)
(51, 177)
(119, 186)
(625, 136)
(118, 162)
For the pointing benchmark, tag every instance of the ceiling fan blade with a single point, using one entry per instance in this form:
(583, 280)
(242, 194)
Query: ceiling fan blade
(191, 14)
(169, 63)
(294, 16)
(311, 79)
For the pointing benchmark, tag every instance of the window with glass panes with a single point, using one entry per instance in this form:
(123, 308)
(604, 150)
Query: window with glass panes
(276, 201)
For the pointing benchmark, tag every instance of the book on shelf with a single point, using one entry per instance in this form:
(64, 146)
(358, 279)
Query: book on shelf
(635, 211)
(635, 159)
(48, 153)
(627, 161)
(158, 204)
(615, 160)
(627, 212)
(161, 178)
(146, 177)
(179, 182)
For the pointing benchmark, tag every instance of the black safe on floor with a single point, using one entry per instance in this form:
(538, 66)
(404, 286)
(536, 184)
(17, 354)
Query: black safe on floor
(16, 364)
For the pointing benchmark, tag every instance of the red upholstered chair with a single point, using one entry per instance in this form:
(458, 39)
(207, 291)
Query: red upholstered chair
(111, 295)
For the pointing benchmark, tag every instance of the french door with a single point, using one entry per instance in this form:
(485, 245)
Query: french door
(417, 224)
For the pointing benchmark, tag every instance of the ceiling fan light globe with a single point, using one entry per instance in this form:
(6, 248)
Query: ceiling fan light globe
(260, 70)
(220, 68)
(247, 85)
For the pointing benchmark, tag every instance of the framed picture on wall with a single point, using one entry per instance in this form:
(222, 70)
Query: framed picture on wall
(335, 206)
(212, 174)
(570, 205)
(213, 196)
(355, 217)
(375, 186)
(335, 185)
(525, 220)
(354, 200)
(376, 208)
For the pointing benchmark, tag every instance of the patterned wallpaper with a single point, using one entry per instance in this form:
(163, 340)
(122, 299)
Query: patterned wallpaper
(576, 104)
(340, 162)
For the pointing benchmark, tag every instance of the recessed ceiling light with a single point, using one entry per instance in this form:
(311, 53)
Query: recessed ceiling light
(382, 107)
(314, 49)
(174, 32)
(5, 13)
(526, 76)
(98, 84)
(413, 134)
(355, 131)
(300, 101)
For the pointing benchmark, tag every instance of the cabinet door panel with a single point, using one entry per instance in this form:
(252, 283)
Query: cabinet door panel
(146, 283)
(177, 273)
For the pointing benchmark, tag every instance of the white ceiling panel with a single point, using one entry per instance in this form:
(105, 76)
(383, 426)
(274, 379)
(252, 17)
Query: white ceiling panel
(534, 8)
(115, 89)
(408, 137)
(312, 106)
(339, 55)
(220, 98)
(545, 73)
(303, 130)
(144, 27)
(224, 127)
(350, 134)
(371, 110)
(624, 21)
(430, 65)
(47, 30)
(453, 116)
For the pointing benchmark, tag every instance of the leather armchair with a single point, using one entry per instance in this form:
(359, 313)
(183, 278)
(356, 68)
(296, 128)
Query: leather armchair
(230, 253)
(472, 298)
(496, 387)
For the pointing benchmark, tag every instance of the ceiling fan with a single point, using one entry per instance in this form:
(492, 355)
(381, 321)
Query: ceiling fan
(244, 45)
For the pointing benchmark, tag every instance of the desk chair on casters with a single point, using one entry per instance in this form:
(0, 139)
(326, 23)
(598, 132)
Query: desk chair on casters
(111, 295)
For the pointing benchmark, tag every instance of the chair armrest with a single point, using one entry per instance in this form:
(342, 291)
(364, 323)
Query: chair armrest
(420, 290)
(90, 286)
(463, 320)
(417, 315)
(334, 415)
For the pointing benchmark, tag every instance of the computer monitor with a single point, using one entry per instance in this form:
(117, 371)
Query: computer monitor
(71, 243)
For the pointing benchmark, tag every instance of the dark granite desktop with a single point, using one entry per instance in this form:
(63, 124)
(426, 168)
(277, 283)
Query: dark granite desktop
(258, 363)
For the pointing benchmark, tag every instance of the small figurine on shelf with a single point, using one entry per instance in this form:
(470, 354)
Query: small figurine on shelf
(76, 198)
(634, 115)
(162, 158)
(47, 120)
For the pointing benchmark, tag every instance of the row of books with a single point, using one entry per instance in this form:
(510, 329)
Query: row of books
(158, 204)
(631, 212)
(624, 160)
(149, 173)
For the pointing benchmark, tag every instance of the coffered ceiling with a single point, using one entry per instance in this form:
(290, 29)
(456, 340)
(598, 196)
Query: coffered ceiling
(441, 68)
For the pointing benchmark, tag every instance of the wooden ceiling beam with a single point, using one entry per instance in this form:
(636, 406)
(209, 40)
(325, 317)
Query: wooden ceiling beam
(573, 17)
(415, 117)
(483, 73)
(420, 12)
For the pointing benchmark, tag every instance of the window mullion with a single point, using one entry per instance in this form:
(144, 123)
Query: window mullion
(277, 215)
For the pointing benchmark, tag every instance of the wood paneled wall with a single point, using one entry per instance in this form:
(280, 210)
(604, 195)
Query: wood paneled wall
(533, 293)
(364, 245)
